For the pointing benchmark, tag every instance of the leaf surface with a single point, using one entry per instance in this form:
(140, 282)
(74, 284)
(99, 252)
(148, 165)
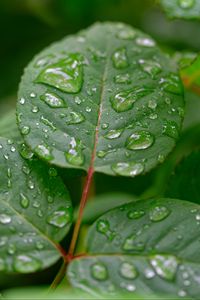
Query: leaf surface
(104, 99)
(146, 246)
(183, 9)
(35, 211)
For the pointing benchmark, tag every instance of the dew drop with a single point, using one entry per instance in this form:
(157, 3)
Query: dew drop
(59, 218)
(140, 140)
(128, 168)
(128, 270)
(130, 244)
(74, 118)
(5, 219)
(26, 264)
(122, 78)
(53, 100)
(120, 59)
(24, 201)
(145, 42)
(113, 134)
(165, 266)
(25, 130)
(44, 152)
(170, 128)
(99, 271)
(159, 213)
(137, 214)
(74, 155)
(66, 75)
(150, 67)
(172, 84)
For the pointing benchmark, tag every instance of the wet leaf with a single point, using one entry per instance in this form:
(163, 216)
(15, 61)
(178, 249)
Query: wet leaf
(106, 98)
(146, 246)
(184, 9)
(35, 211)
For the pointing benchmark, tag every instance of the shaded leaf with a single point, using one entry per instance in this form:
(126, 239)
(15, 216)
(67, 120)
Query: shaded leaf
(35, 211)
(8, 126)
(184, 9)
(191, 76)
(185, 182)
(147, 246)
(104, 98)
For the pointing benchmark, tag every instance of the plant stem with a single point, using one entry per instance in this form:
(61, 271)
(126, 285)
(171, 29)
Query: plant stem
(58, 277)
(84, 198)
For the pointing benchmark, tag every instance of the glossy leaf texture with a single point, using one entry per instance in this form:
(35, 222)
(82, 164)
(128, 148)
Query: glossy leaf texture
(35, 211)
(146, 246)
(183, 9)
(185, 181)
(8, 126)
(106, 98)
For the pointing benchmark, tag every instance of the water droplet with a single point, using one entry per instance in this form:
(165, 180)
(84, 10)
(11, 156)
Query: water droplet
(113, 134)
(74, 118)
(39, 245)
(99, 271)
(88, 109)
(197, 217)
(32, 95)
(145, 42)
(124, 100)
(5, 219)
(120, 59)
(26, 264)
(126, 34)
(24, 201)
(128, 270)
(22, 101)
(66, 75)
(59, 218)
(53, 100)
(122, 78)
(131, 244)
(170, 128)
(186, 4)
(150, 67)
(31, 184)
(140, 140)
(149, 273)
(48, 123)
(159, 213)
(77, 100)
(128, 168)
(172, 84)
(75, 156)
(165, 266)
(136, 214)
(35, 109)
(104, 125)
(103, 226)
(25, 130)
(44, 152)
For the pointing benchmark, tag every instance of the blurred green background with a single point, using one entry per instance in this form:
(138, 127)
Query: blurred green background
(27, 26)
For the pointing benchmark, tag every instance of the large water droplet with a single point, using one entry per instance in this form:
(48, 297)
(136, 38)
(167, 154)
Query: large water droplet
(5, 219)
(114, 134)
(128, 168)
(26, 264)
(99, 271)
(120, 59)
(123, 78)
(26, 152)
(172, 84)
(128, 270)
(74, 155)
(59, 218)
(44, 152)
(139, 140)
(159, 213)
(124, 100)
(165, 265)
(126, 34)
(53, 100)
(170, 128)
(74, 118)
(66, 75)
(24, 201)
(151, 67)
(186, 4)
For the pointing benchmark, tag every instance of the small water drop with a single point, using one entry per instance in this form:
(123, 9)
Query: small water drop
(159, 213)
(130, 244)
(172, 84)
(170, 128)
(24, 201)
(25, 130)
(113, 134)
(122, 78)
(128, 270)
(135, 214)
(120, 59)
(165, 265)
(5, 219)
(59, 218)
(150, 67)
(128, 168)
(74, 118)
(53, 100)
(145, 42)
(74, 155)
(140, 140)
(26, 264)
(44, 152)
(99, 271)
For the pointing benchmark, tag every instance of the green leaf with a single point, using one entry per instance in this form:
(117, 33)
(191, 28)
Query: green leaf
(191, 76)
(102, 99)
(8, 126)
(185, 182)
(99, 204)
(35, 211)
(146, 246)
(184, 9)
